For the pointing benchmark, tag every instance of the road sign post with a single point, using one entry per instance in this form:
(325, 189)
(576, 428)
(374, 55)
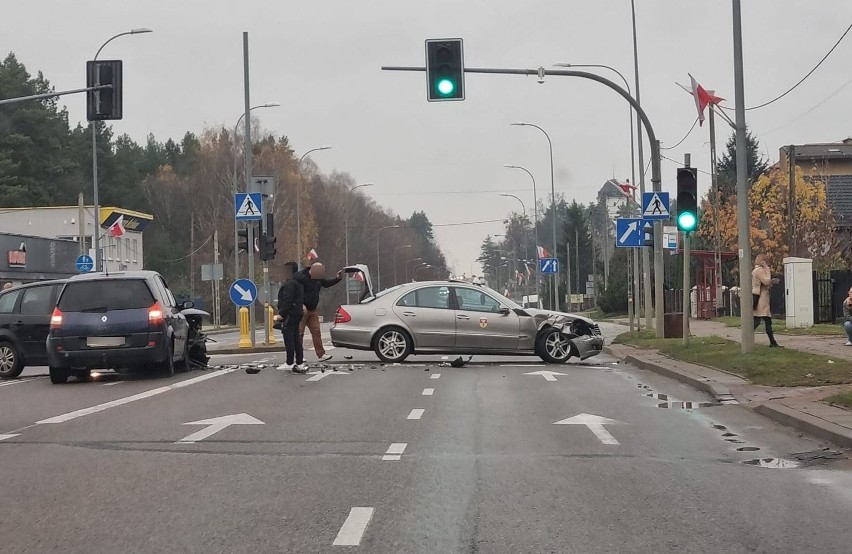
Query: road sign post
(84, 263)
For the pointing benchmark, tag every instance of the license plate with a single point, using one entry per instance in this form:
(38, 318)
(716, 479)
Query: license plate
(103, 342)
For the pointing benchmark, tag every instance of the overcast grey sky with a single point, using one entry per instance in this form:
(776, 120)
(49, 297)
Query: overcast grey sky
(321, 59)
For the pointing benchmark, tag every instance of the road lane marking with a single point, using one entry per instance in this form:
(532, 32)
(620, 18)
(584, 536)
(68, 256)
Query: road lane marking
(353, 528)
(128, 399)
(322, 375)
(111, 384)
(9, 436)
(548, 375)
(17, 382)
(428, 392)
(435, 376)
(595, 424)
(416, 413)
(216, 424)
(394, 452)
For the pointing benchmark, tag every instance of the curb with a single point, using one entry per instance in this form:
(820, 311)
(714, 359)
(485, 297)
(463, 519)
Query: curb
(807, 423)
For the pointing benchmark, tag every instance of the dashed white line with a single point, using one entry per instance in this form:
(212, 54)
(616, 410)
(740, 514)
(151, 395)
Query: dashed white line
(128, 399)
(416, 413)
(17, 382)
(435, 376)
(112, 383)
(428, 392)
(394, 452)
(8, 436)
(353, 528)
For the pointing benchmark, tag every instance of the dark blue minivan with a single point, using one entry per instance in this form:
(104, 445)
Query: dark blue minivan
(121, 321)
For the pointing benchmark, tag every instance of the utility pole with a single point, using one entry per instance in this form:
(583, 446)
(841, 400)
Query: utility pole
(248, 170)
(717, 203)
(687, 160)
(81, 222)
(216, 282)
(743, 220)
(791, 203)
(577, 257)
(568, 273)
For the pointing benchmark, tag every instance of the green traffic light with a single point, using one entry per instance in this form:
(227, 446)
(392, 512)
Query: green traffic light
(686, 221)
(446, 87)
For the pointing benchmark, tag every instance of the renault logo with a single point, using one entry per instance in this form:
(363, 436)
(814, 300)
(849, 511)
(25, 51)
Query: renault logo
(104, 318)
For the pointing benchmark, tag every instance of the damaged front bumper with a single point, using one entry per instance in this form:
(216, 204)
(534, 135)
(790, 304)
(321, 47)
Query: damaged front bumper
(587, 346)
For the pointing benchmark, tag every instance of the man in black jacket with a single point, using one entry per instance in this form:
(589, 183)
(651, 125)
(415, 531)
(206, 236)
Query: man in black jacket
(291, 298)
(312, 279)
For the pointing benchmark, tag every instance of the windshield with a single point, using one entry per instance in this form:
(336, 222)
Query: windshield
(105, 295)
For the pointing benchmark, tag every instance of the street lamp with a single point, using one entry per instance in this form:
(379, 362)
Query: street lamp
(234, 188)
(96, 239)
(419, 267)
(299, 252)
(395, 250)
(379, 256)
(535, 220)
(555, 304)
(525, 219)
(346, 228)
(406, 266)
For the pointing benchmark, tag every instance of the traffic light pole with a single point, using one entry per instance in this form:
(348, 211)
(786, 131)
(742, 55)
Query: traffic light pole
(686, 281)
(656, 177)
(248, 169)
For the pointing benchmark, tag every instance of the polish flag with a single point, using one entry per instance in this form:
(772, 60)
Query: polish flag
(519, 276)
(312, 255)
(702, 98)
(542, 252)
(627, 188)
(529, 270)
(117, 228)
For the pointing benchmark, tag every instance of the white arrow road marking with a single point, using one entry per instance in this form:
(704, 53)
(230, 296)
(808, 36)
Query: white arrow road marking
(216, 424)
(435, 376)
(9, 436)
(416, 413)
(244, 294)
(17, 382)
(394, 452)
(594, 423)
(354, 526)
(317, 375)
(548, 375)
(631, 228)
(428, 392)
(127, 400)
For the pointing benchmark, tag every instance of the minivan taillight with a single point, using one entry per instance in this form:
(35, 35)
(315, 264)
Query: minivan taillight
(342, 316)
(155, 314)
(56, 319)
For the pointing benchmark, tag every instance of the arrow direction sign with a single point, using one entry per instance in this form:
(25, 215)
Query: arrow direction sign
(631, 228)
(216, 424)
(628, 232)
(594, 423)
(317, 376)
(243, 292)
(548, 375)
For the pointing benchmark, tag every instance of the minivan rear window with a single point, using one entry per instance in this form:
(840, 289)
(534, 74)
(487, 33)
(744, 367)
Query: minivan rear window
(102, 296)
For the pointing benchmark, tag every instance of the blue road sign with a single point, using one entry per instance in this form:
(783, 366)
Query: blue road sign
(84, 263)
(628, 232)
(548, 265)
(248, 206)
(655, 205)
(243, 292)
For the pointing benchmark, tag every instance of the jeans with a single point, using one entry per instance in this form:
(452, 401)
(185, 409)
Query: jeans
(767, 321)
(293, 341)
(311, 320)
(847, 326)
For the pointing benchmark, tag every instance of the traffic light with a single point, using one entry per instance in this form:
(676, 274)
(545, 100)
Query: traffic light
(242, 242)
(105, 103)
(445, 69)
(687, 199)
(267, 247)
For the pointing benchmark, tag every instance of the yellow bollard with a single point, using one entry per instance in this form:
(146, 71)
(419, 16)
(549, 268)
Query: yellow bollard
(270, 332)
(245, 340)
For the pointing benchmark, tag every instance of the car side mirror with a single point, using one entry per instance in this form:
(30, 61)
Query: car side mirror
(505, 311)
(187, 304)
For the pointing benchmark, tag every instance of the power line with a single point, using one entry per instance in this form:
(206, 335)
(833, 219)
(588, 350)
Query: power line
(820, 103)
(808, 74)
(683, 139)
(677, 162)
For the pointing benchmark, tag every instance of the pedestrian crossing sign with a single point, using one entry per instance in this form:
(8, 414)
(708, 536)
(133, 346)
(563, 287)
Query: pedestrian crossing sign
(655, 205)
(248, 207)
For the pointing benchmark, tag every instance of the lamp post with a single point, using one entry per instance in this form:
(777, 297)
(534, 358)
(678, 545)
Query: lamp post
(299, 252)
(525, 241)
(419, 267)
(346, 228)
(555, 304)
(635, 309)
(96, 239)
(406, 266)
(395, 251)
(379, 256)
(235, 188)
(535, 220)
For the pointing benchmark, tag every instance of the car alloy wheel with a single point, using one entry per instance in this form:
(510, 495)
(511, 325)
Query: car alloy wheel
(393, 345)
(10, 362)
(555, 346)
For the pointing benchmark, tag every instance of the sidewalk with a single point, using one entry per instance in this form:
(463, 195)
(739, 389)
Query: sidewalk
(797, 407)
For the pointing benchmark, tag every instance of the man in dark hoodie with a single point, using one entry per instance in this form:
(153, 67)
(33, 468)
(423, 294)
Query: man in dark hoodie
(312, 279)
(291, 298)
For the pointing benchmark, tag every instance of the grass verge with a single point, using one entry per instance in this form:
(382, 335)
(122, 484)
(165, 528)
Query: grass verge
(844, 399)
(780, 327)
(776, 367)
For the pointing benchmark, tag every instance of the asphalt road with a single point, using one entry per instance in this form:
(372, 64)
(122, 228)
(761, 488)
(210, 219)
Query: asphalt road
(406, 458)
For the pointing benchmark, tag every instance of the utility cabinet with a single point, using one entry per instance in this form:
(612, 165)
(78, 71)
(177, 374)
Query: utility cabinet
(799, 292)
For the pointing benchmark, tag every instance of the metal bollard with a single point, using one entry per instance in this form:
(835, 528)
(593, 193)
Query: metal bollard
(245, 340)
(270, 332)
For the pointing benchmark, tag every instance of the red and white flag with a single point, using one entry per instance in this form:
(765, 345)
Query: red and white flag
(627, 188)
(529, 270)
(117, 228)
(702, 98)
(312, 255)
(542, 252)
(359, 277)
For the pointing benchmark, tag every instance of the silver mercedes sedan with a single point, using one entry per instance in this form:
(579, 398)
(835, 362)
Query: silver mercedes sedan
(456, 317)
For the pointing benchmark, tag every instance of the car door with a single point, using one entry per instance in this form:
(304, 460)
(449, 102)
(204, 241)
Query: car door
(37, 303)
(480, 324)
(426, 312)
(173, 316)
(10, 324)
